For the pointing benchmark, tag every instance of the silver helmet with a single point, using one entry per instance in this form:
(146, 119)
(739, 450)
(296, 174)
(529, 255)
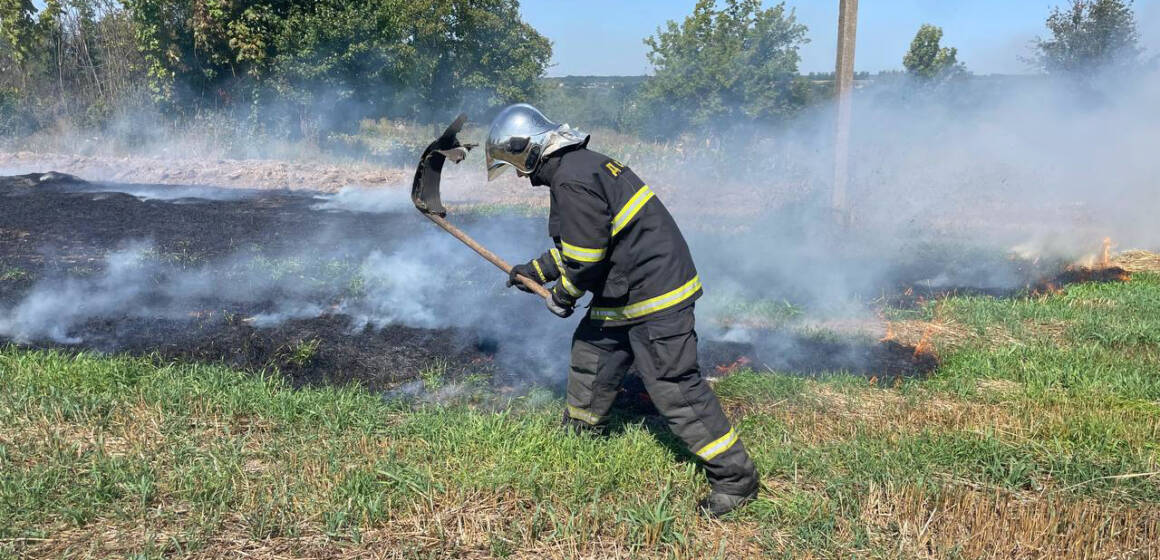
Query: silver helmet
(521, 136)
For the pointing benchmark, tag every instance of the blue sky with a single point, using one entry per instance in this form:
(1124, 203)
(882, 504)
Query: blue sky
(604, 36)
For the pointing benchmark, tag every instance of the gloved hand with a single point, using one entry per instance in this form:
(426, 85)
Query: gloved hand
(562, 307)
(526, 270)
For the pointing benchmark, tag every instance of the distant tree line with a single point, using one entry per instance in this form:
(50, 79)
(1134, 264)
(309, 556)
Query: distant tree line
(735, 63)
(295, 59)
(303, 67)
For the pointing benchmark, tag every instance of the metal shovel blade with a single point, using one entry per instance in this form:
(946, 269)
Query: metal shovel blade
(425, 187)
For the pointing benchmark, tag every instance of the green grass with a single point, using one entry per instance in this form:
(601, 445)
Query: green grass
(1039, 439)
(12, 274)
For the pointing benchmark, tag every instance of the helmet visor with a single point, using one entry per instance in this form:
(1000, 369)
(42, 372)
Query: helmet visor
(496, 168)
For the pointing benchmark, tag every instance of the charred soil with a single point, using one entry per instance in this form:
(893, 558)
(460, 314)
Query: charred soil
(55, 226)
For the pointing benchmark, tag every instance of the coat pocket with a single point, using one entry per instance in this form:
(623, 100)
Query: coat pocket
(615, 286)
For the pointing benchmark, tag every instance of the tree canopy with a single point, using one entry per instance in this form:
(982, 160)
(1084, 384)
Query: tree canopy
(721, 66)
(1089, 35)
(296, 60)
(927, 59)
(400, 56)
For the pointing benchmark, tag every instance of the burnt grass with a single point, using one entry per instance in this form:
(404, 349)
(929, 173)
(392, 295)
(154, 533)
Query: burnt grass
(58, 226)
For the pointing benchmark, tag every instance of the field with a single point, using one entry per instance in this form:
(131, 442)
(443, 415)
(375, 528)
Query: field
(183, 417)
(1037, 443)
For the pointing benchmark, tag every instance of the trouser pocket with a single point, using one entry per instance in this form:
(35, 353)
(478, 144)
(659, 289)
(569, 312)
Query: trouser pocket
(672, 344)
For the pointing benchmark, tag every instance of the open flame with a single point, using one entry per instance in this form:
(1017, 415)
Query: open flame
(890, 335)
(923, 346)
(733, 367)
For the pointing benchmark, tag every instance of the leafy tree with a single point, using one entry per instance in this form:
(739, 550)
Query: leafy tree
(18, 33)
(722, 66)
(927, 60)
(1089, 35)
(589, 101)
(479, 48)
(370, 57)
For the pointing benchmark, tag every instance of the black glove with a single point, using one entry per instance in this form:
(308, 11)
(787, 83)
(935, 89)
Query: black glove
(561, 306)
(527, 271)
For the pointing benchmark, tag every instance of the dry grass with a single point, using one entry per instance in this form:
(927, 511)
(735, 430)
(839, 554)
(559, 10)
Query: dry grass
(941, 334)
(1138, 261)
(455, 525)
(965, 522)
(1002, 454)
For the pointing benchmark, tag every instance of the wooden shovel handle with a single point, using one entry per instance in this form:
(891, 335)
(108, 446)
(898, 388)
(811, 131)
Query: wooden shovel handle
(490, 256)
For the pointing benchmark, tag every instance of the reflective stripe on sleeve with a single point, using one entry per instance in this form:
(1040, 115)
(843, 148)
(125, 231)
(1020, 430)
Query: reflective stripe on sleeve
(567, 284)
(582, 254)
(539, 271)
(718, 446)
(634, 204)
(583, 415)
(651, 305)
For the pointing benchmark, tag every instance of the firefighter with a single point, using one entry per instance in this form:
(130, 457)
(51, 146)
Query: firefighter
(613, 238)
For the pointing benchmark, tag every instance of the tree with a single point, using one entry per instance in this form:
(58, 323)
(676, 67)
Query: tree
(18, 32)
(723, 66)
(358, 58)
(927, 60)
(1089, 35)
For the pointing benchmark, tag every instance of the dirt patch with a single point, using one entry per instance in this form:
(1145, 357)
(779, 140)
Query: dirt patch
(62, 230)
(1037, 278)
(814, 354)
(1080, 274)
(67, 228)
(253, 174)
(320, 350)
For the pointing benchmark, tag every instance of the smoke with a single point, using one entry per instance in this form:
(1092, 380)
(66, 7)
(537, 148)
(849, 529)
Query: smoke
(978, 184)
(54, 306)
(347, 255)
(361, 199)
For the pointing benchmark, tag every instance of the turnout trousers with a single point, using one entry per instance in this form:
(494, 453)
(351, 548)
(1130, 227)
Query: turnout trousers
(664, 351)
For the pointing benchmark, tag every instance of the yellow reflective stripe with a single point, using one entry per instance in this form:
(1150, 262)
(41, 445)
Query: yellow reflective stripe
(630, 209)
(583, 415)
(582, 254)
(539, 271)
(651, 305)
(569, 287)
(718, 446)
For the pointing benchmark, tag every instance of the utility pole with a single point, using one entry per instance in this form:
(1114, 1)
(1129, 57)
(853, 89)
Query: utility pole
(843, 85)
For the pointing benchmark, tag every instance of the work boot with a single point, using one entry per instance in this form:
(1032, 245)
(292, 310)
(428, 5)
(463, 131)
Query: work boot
(577, 427)
(717, 504)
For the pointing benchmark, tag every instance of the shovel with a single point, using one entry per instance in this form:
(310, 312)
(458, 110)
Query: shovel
(425, 195)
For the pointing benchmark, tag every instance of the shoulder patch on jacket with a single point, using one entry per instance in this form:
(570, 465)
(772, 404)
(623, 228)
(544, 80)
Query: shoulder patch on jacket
(614, 168)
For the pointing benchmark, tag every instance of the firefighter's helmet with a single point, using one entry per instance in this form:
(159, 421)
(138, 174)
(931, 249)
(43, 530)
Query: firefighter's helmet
(521, 136)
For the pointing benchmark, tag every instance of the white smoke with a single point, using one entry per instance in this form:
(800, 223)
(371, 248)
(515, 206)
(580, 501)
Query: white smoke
(362, 199)
(944, 193)
(52, 307)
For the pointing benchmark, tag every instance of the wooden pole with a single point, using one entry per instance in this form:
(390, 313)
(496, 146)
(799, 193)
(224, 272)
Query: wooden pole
(843, 85)
(491, 257)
